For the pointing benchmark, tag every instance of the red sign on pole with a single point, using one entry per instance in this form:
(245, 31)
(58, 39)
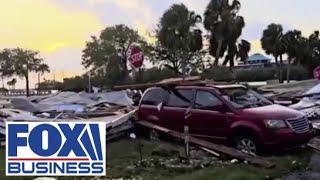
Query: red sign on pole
(136, 57)
(316, 73)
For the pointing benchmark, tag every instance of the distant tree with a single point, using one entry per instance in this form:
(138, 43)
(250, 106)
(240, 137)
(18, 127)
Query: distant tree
(272, 42)
(9, 84)
(179, 39)
(50, 85)
(314, 37)
(113, 42)
(113, 72)
(12, 83)
(225, 26)
(164, 58)
(6, 64)
(26, 61)
(4, 90)
(156, 74)
(314, 50)
(76, 84)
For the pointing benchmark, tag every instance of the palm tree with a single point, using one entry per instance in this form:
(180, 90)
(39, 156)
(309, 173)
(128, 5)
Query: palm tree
(293, 48)
(244, 48)
(272, 43)
(225, 26)
(238, 51)
(41, 69)
(13, 83)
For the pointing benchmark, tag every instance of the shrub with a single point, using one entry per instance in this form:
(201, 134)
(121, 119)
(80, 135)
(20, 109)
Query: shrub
(255, 75)
(217, 74)
(296, 73)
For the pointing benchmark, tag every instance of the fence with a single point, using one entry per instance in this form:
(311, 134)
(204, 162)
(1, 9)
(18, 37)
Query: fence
(19, 92)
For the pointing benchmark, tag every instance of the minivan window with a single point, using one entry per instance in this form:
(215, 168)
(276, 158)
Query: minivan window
(244, 98)
(207, 101)
(154, 97)
(179, 98)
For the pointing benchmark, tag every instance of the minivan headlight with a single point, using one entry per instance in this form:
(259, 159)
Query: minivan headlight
(275, 124)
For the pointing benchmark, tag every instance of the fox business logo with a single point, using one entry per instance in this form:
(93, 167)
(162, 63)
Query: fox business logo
(55, 148)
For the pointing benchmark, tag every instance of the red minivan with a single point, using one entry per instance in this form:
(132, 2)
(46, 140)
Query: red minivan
(229, 114)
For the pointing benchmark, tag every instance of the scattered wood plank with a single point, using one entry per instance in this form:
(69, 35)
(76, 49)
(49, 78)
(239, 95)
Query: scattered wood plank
(315, 144)
(95, 114)
(256, 160)
(210, 151)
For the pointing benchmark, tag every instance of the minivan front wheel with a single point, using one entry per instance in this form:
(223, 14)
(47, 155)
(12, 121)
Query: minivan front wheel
(246, 144)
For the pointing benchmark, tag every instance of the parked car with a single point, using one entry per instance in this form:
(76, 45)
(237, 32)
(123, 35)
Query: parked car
(230, 114)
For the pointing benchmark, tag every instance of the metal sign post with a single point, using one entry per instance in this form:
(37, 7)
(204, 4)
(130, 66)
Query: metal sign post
(186, 140)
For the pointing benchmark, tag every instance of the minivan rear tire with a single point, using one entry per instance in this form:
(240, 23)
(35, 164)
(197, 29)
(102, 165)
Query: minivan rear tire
(247, 144)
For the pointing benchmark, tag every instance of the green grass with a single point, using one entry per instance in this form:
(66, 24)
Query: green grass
(124, 153)
(284, 166)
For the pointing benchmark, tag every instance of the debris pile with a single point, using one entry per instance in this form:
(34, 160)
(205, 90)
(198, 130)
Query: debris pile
(302, 95)
(114, 108)
(311, 173)
(287, 91)
(171, 161)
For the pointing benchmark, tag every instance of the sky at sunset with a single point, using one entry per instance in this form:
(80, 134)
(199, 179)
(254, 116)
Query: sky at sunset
(59, 28)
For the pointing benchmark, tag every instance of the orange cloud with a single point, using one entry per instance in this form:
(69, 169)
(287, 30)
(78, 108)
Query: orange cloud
(256, 47)
(42, 25)
(134, 7)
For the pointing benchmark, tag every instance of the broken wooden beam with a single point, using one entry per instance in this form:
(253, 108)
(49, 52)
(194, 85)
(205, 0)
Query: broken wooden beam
(167, 82)
(256, 160)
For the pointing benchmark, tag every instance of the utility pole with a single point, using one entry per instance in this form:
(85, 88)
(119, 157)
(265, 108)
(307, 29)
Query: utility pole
(62, 75)
(54, 75)
(188, 111)
(38, 81)
(89, 83)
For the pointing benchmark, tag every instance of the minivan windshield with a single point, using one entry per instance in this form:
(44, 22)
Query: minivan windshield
(243, 98)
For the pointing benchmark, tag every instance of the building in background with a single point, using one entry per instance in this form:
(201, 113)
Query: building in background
(258, 59)
(255, 61)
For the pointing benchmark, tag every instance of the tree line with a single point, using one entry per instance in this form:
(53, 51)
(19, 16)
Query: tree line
(180, 47)
(300, 50)
(179, 50)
